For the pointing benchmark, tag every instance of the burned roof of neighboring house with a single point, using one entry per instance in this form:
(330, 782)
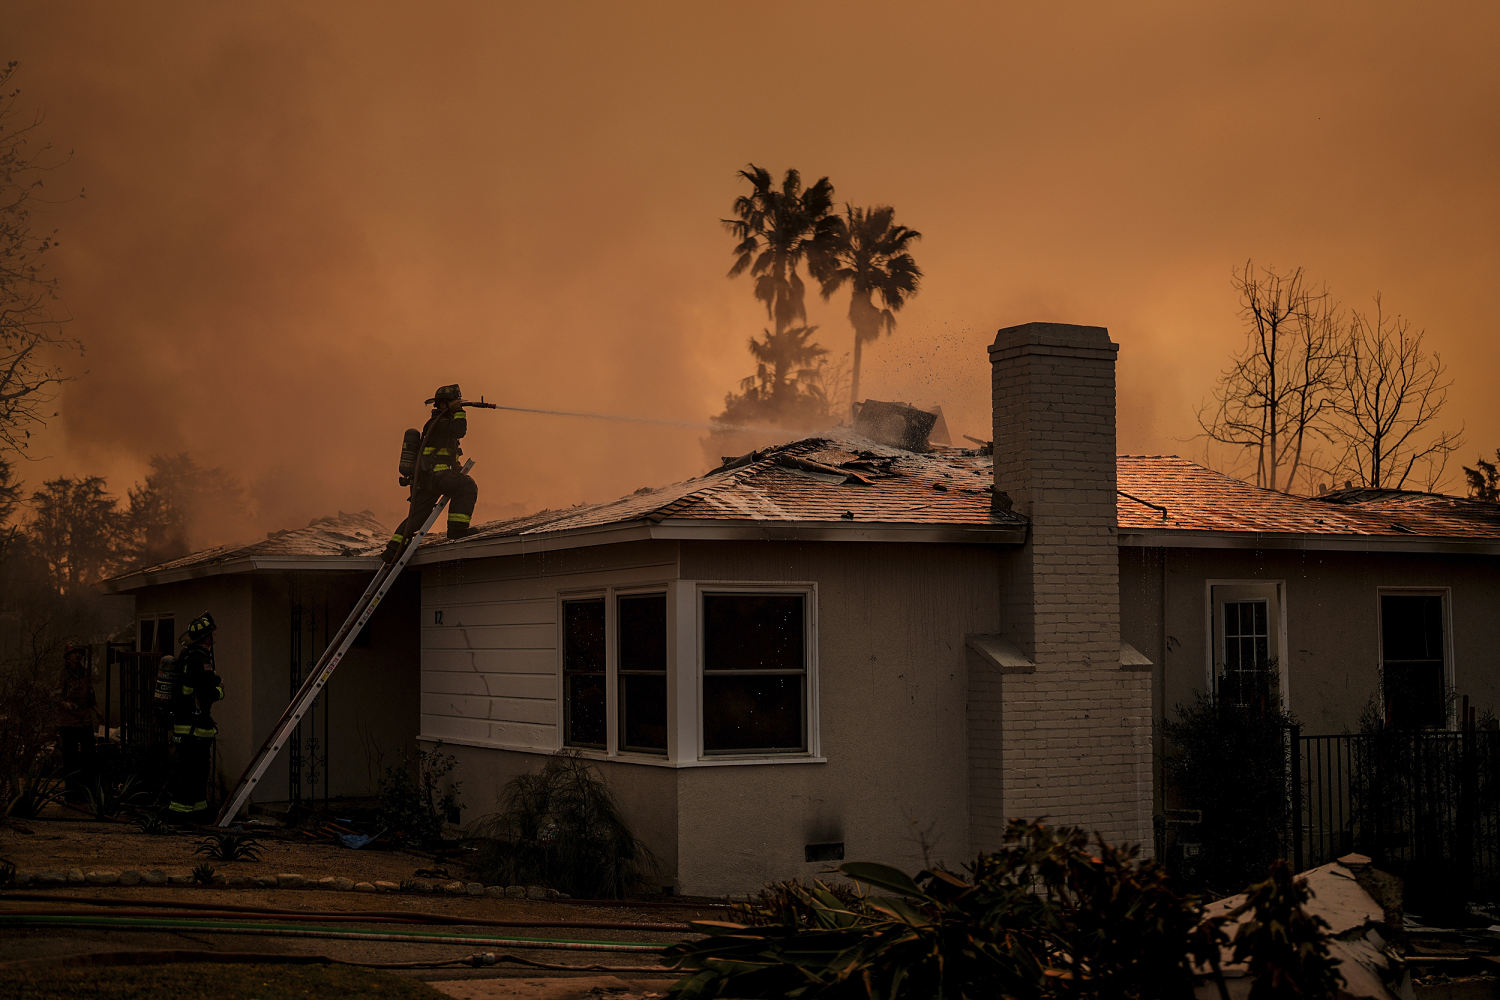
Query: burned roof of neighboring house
(1169, 494)
(829, 487)
(340, 535)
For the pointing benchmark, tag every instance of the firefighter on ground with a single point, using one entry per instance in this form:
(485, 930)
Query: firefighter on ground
(438, 472)
(193, 729)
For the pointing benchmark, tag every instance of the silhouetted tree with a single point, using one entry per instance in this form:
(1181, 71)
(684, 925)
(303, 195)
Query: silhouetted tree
(1484, 478)
(776, 229)
(870, 253)
(75, 529)
(1274, 399)
(786, 389)
(176, 495)
(31, 325)
(1387, 396)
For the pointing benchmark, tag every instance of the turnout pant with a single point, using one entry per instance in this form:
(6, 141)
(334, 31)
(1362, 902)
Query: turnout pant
(462, 493)
(77, 746)
(189, 781)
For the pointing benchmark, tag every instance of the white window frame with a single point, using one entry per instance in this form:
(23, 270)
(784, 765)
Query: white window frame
(610, 595)
(808, 591)
(1217, 593)
(1445, 594)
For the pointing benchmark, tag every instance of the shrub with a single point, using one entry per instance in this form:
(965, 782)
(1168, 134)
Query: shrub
(1230, 763)
(29, 777)
(561, 828)
(1048, 916)
(414, 799)
(203, 874)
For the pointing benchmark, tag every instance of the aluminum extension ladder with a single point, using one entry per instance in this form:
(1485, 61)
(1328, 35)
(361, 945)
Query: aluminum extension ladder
(327, 664)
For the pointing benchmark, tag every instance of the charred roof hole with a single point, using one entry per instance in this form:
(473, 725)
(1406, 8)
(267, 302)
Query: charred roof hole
(899, 424)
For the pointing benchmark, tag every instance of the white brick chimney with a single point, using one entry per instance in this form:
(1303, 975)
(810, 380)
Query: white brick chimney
(1057, 727)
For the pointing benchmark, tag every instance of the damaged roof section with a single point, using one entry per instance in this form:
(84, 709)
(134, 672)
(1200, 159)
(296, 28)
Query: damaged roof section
(341, 535)
(835, 482)
(1165, 493)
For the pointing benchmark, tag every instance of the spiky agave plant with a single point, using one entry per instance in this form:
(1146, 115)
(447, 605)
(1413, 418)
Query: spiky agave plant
(229, 845)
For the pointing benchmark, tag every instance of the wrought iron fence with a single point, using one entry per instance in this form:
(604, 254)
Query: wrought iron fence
(1424, 803)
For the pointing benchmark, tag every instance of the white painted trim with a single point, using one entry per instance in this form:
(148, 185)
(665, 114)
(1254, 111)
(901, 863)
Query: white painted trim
(1423, 544)
(1277, 594)
(812, 731)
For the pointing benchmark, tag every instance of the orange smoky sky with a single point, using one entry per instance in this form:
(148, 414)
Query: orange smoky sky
(301, 218)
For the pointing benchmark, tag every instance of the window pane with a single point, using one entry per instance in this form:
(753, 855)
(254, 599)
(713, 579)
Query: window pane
(1411, 626)
(583, 710)
(643, 712)
(643, 632)
(583, 635)
(1414, 695)
(1260, 611)
(584, 719)
(753, 632)
(749, 712)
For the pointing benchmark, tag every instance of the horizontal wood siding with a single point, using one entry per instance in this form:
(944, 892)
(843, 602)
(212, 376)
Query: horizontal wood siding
(490, 664)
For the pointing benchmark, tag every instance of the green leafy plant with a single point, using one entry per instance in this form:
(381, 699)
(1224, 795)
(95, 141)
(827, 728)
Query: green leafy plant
(229, 845)
(34, 788)
(414, 799)
(1228, 762)
(1047, 917)
(561, 828)
(108, 796)
(203, 874)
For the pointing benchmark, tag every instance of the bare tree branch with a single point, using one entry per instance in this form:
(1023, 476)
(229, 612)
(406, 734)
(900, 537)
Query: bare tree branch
(1271, 403)
(32, 338)
(1388, 396)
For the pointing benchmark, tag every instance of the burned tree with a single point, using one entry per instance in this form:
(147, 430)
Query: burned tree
(1273, 400)
(31, 324)
(1388, 394)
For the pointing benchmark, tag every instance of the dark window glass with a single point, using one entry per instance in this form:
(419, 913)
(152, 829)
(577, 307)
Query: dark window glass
(1412, 646)
(748, 712)
(755, 673)
(584, 719)
(1247, 673)
(753, 632)
(642, 623)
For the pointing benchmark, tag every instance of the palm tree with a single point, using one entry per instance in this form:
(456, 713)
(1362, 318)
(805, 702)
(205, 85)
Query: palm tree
(775, 229)
(869, 252)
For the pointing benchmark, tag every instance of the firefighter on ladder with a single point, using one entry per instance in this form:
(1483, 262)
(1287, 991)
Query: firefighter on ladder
(438, 473)
(199, 686)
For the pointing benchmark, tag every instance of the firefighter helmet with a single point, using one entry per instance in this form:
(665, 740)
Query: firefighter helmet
(201, 626)
(447, 394)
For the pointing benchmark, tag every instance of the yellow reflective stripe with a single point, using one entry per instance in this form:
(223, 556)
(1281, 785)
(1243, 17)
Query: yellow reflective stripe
(220, 690)
(428, 450)
(206, 732)
(181, 730)
(441, 468)
(397, 538)
(458, 518)
(186, 689)
(183, 807)
(459, 415)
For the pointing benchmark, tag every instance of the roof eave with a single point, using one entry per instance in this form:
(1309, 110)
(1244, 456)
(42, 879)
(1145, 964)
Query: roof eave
(1424, 544)
(182, 574)
(721, 530)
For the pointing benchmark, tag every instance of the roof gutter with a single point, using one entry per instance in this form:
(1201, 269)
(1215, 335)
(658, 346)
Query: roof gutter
(721, 530)
(200, 571)
(1419, 544)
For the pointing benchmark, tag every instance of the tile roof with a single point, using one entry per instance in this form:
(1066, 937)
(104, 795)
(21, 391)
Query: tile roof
(851, 481)
(337, 535)
(818, 480)
(1166, 493)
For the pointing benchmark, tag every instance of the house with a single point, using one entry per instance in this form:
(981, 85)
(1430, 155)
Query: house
(277, 602)
(846, 647)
